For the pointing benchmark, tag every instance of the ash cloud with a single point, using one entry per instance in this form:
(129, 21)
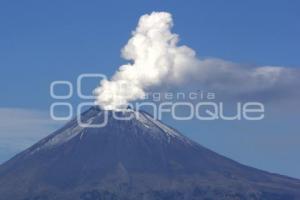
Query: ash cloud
(156, 60)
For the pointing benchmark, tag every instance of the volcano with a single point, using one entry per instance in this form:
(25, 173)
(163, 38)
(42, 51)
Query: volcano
(136, 159)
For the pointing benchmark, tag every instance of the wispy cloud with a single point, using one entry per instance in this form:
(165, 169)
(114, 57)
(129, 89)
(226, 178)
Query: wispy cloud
(20, 128)
(235, 80)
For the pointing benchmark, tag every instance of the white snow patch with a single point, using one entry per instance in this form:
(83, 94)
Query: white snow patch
(64, 136)
(165, 128)
(170, 132)
(141, 118)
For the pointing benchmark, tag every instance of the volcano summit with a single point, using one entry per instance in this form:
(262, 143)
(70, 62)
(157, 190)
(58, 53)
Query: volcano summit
(136, 159)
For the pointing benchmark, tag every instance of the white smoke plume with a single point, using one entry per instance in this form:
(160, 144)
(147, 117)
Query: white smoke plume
(156, 59)
(155, 56)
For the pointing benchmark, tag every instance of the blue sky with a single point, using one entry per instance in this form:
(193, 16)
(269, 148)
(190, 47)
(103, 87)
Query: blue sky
(42, 41)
